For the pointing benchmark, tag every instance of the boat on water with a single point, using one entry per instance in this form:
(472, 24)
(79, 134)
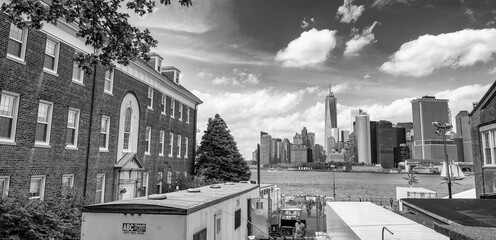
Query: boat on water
(422, 170)
(271, 170)
(455, 172)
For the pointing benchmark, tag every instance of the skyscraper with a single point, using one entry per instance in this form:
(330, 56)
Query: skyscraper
(427, 143)
(463, 131)
(362, 131)
(265, 148)
(330, 116)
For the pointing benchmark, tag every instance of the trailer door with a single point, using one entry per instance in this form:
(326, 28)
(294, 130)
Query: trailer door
(217, 226)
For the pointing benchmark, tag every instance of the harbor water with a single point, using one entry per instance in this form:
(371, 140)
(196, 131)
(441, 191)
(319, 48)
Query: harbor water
(355, 185)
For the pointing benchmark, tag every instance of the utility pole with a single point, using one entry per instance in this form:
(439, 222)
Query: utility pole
(442, 129)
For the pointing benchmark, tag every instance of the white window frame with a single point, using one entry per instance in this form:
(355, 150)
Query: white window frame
(150, 98)
(55, 56)
(42, 186)
(171, 144)
(180, 112)
(187, 114)
(169, 177)
(164, 102)
(146, 177)
(71, 180)
(107, 133)
(490, 130)
(79, 72)
(178, 146)
(15, 108)
(186, 142)
(173, 107)
(102, 197)
(160, 176)
(148, 139)
(24, 39)
(5, 191)
(45, 143)
(109, 78)
(161, 142)
(76, 128)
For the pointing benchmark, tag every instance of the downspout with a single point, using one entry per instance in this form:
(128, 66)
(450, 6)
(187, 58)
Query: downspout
(194, 137)
(85, 183)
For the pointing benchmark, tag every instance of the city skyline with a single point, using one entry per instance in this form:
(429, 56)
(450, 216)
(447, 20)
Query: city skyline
(251, 65)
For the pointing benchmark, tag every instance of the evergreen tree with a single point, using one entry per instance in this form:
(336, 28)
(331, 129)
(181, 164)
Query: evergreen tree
(219, 157)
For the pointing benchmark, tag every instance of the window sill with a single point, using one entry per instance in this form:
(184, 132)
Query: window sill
(108, 93)
(163, 113)
(149, 108)
(180, 120)
(7, 142)
(16, 59)
(160, 155)
(71, 147)
(42, 145)
(172, 117)
(489, 166)
(78, 82)
(169, 155)
(51, 72)
(147, 154)
(103, 150)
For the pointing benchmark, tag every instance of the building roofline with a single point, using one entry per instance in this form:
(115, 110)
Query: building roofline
(480, 103)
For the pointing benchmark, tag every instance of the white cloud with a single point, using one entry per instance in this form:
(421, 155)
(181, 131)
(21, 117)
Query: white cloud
(462, 98)
(237, 79)
(422, 56)
(382, 3)
(197, 19)
(204, 74)
(492, 71)
(308, 50)
(349, 12)
(367, 76)
(359, 41)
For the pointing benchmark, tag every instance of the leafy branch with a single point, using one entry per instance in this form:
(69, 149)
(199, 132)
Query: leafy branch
(98, 22)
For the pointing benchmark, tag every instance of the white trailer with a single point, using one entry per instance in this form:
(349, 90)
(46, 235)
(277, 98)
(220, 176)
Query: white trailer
(216, 212)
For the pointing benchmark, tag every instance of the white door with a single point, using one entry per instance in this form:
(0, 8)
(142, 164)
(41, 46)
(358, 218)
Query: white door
(218, 226)
(127, 190)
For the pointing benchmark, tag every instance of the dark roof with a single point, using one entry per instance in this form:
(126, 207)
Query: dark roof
(488, 95)
(465, 212)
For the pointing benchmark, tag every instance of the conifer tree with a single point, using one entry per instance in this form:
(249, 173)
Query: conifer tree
(219, 157)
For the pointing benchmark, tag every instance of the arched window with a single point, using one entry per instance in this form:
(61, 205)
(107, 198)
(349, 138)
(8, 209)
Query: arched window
(127, 128)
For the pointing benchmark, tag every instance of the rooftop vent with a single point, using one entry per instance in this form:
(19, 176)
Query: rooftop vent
(194, 190)
(157, 197)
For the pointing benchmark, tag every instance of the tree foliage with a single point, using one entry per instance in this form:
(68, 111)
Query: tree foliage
(100, 23)
(56, 218)
(219, 157)
(412, 179)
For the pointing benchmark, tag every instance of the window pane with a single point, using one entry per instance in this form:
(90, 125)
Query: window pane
(41, 132)
(35, 187)
(7, 106)
(103, 128)
(488, 156)
(71, 119)
(15, 33)
(66, 182)
(14, 48)
(103, 140)
(108, 85)
(50, 47)
(71, 135)
(5, 127)
(49, 62)
(43, 113)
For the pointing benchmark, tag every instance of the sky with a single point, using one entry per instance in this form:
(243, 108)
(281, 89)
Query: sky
(266, 65)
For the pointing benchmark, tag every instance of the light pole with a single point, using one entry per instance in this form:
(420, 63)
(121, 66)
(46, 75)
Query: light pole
(442, 128)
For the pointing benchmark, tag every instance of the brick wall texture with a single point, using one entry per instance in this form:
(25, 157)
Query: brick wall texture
(23, 160)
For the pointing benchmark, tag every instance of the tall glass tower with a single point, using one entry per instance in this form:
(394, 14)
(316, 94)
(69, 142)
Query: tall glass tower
(330, 117)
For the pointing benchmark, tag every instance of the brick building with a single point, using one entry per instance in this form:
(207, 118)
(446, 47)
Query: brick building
(112, 135)
(483, 130)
